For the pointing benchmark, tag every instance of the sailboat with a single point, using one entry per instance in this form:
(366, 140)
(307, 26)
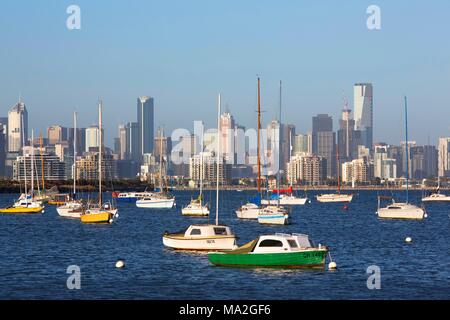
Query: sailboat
(336, 197)
(100, 212)
(161, 199)
(275, 214)
(437, 196)
(73, 208)
(196, 206)
(402, 210)
(251, 209)
(26, 204)
(210, 237)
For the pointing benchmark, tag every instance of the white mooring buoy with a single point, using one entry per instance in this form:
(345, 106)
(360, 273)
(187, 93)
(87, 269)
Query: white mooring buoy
(120, 264)
(408, 240)
(332, 265)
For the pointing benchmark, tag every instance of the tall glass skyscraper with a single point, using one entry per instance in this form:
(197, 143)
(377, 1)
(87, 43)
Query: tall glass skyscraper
(363, 106)
(145, 117)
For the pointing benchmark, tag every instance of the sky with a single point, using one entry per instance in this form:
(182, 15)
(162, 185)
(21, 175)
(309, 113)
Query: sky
(184, 53)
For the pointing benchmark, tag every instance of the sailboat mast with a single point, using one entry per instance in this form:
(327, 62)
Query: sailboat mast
(42, 162)
(218, 159)
(74, 153)
(279, 150)
(32, 162)
(160, 161)
(201, 178)
(24, 160)
(100, 154)
(338, 168)
(407, 149)
(259, 137)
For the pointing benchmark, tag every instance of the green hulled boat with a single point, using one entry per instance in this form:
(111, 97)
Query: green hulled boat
(274, 251)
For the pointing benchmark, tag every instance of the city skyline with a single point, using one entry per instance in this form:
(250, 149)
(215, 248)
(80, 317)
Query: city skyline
(76, 67)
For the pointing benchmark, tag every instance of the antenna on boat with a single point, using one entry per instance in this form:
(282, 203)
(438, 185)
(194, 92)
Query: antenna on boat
(218, 158)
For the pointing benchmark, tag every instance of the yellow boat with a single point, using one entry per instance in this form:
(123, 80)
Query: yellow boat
(98, 216)
(22, 210)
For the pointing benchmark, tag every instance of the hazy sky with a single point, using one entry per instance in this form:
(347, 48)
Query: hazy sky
(184, 53)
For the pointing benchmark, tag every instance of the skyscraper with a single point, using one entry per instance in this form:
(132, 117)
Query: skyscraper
(132, 144)
(17, 116)
(444, 157)
(363, 107)
(92, 138)
(56, 134)
(324, 141)
(227, 125)
(122, 141)
(145, 120)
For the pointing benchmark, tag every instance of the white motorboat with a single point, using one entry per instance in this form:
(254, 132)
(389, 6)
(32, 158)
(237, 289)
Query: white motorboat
(334, 197)
(248, 211)
(156, 201)
(286, 200)
(273, 215)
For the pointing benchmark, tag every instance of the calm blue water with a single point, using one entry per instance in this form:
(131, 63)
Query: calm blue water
(36, 251)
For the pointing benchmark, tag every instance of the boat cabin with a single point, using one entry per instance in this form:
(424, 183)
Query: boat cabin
(207, 230)
(281, 242)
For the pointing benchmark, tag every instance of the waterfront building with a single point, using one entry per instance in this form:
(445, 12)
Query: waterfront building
(54, 168)
(306, 169)
(357, 171)
(87, 167)
(204, 166)
(324, 141)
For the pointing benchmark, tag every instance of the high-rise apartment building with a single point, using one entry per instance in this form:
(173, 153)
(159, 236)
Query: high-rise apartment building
(363, 108)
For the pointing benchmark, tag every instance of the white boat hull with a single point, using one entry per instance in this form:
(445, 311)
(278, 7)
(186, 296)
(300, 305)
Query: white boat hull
(406, 212)
(248, 214)
(436, 198)
(200, 211)
(330, 198)
(202, 244)
(156, 203)
(273, 219)
(286, 201)
(69, 212)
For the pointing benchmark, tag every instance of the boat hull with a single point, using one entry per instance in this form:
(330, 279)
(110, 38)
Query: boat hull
(156, 204)
(286, 201)
(303, 259)
(103, 217)
(200, 244)
(22, 210)
(204, 211)
(410, 214)
(436, 199)
(248, 214)
(273, 219)
(69, 212)
(127, 200)
(335, 198)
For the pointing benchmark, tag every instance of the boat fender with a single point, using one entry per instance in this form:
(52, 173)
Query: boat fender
(120, 264)
(332, 265)
(408, 240)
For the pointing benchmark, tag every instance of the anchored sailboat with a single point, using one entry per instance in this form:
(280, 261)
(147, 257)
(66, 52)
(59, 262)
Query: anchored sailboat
(211, 237)
(404, 210)
(73, 208)
(100, 212)
(437, 196)
(196, 206)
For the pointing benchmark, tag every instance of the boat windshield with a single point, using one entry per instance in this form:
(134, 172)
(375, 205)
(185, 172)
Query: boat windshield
(220, 231)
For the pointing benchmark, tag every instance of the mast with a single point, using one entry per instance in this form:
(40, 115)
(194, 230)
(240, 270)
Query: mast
(338, 168)
(41, 144)
(160, 162)
(100, 154)
(201, 178)
(407, 149)
(259, 138)
(24, 160)
(279, 151)
(74, 154)
(218, 159)
(32, 164)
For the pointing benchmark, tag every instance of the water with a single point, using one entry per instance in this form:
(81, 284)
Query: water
(37, 249)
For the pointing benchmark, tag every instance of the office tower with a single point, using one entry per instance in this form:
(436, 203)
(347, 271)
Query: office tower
(56, 134)
(162, 145)
(302, 144)
(287, 144)
(122, 142)
(227, 125)
(430, 154)
(306, 169)
(132, 141)
(273, 145)
(324, 144)
(384, 166)
(145, 120)
(17, 116)
(348, 138)
(363, 108)
(240, 145)
(81, 139)
(92, 138)
(444, 157)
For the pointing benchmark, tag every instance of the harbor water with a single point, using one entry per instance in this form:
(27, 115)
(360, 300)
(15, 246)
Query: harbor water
(36, 251)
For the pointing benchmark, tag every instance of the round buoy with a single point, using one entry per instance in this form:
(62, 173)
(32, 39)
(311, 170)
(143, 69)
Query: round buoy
(408, 240)
(120, 264)
(425, 215)
(332, 265)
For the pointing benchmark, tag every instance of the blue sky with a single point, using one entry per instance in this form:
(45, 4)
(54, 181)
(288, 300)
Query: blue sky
(184, 53)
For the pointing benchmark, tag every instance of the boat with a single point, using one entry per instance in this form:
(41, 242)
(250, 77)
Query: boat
(436, 197)
(209, 237)
(130, 196)
(196, 206)
(72, 208)
(58, 199)
(404, 210)
(286, 197)
(273, 215)
(274, 251)
(101, 213)
(26, 203)
(251, 209)
(160, 199)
